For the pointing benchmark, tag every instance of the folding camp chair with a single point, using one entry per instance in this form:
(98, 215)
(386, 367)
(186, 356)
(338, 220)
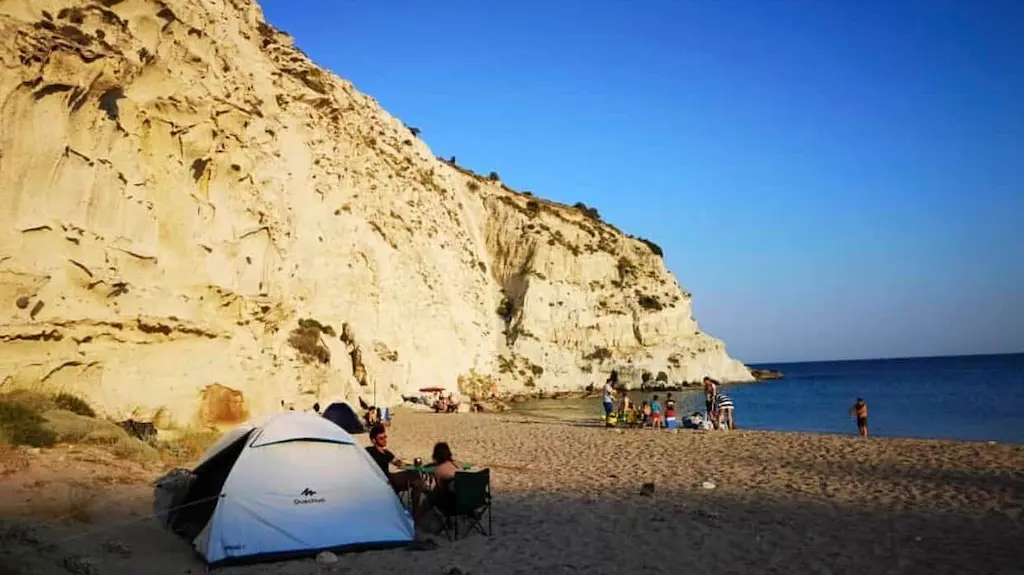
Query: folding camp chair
(471, 501)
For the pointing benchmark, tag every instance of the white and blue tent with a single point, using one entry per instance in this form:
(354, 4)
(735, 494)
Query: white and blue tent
(292, 484)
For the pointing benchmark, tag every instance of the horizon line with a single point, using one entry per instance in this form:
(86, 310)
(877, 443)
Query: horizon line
(769, 363)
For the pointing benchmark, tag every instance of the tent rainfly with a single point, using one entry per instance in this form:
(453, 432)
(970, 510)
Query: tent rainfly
(292, 484)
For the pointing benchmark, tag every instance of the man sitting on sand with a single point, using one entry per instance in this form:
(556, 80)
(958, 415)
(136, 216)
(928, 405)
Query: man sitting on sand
(400, 480)
(694, 421)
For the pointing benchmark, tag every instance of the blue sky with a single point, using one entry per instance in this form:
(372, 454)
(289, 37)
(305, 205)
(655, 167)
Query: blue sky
(831, 180)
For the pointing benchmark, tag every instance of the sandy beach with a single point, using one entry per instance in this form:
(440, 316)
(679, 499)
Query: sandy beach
(568, 500)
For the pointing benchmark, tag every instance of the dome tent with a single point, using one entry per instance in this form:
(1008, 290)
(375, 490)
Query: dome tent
(344, 417)
(292, 484)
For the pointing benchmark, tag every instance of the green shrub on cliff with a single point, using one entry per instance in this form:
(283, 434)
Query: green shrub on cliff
(650, 302)
(74, 404)
(306, 340)
(655, 248)
(476, 385)
(21, 425)
(33, 400)
(588, 211)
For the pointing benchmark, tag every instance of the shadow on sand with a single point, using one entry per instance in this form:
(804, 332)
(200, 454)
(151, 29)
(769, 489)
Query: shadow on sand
(607, 531)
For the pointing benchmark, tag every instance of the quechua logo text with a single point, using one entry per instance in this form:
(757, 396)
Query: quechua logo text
(308, 497)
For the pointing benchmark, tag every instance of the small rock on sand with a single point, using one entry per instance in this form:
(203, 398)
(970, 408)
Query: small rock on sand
(326, 558)
(707, 485)
(115, 547)
(705, 514)
(80, 565)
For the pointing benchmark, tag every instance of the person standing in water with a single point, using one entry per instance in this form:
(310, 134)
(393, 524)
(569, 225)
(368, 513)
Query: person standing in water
(608, 398)
(860, 410)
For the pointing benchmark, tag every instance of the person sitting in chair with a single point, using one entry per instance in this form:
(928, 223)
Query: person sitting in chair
(451, 405)
(400, 480)
(442, 493)
(440, 404)
(446, 468)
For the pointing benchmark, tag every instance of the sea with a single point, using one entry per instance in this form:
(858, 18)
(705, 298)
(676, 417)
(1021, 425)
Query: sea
(971, 398)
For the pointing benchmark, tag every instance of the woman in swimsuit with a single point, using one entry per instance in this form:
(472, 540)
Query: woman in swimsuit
(441, 493)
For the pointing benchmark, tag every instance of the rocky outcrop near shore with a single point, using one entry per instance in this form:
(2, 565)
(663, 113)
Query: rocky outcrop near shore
(766, 374)
(197, 223)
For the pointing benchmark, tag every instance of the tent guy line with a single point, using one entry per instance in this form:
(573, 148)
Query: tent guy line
(55, 524)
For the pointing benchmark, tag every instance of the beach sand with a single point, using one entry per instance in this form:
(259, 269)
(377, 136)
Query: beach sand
(568, 500)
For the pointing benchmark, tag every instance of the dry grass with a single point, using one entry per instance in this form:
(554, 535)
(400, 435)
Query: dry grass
(74, 404)
(187, 445)
(79, 429)
(12, 460)
(38, 420)
(33, 400)
(21, 425)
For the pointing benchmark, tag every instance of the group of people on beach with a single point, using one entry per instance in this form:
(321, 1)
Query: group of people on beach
(445, 404)
(718, 409)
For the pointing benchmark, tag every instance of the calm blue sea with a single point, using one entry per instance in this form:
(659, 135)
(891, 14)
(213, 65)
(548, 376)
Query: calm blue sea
(978, 398)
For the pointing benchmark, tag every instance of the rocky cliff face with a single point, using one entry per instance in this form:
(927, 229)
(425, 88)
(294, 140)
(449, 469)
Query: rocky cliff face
(197, 223)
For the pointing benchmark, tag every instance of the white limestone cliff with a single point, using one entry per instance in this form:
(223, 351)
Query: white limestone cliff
(179, 187)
